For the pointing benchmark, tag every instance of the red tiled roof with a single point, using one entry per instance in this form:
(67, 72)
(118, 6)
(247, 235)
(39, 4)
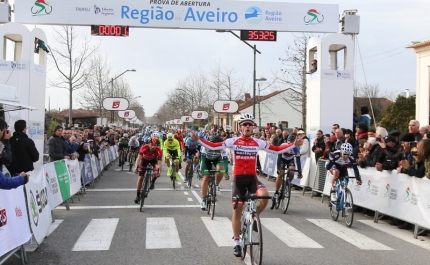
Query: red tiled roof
(250, 102)
(419, 44)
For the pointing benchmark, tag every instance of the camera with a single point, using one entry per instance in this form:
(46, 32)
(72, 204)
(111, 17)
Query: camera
(414, 153)
(379, 140)
(413, 144)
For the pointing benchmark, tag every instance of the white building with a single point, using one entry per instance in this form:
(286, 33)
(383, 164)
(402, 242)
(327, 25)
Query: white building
(273, 108)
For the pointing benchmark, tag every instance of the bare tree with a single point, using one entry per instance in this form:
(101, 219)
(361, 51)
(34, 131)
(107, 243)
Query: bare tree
(70, 59)
(371, 96)
(293, 74)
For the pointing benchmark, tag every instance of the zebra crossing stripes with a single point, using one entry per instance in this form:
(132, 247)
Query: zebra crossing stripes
(162, 233)
(97, 235)
(288, 234)
(349, 235)
(220, 230)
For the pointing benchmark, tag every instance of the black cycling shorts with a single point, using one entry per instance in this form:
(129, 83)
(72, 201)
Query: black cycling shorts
(122, 146)
(241, 183)
(190, 153)
(286, 163)
(145, 163)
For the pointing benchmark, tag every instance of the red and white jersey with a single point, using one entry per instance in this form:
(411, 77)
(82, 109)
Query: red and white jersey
(245, 150)
(148, 155)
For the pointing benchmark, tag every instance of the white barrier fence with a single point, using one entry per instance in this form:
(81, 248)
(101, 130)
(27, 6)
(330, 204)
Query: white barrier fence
(48, 186)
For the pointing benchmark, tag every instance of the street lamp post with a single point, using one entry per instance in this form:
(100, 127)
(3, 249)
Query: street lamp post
(254, 47)
(262, 79)
(111, 81)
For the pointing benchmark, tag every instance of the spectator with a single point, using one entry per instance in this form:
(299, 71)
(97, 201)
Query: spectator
(327, 143)
(293, 135)
(371, 133)
(340, 138)
(362, 131)
(349, 134)
(57, 146)
(426, 135)
(409, 164)
(370, 156)
(423, 130)
(314, 68)
(387, 157)
(12, 183)
(304, 148)
(334, 128)
(319, 145)
(277, 139)
(423, 153)
(6, 153)
(24, 152)
(72, 145)
(365, 117)
(414, 126)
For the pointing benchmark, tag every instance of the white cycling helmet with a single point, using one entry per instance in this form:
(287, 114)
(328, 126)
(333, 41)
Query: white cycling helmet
(155, 135)
(170, 136)
(346, 148)
(133, 138)
(246, 117)
(125, 135)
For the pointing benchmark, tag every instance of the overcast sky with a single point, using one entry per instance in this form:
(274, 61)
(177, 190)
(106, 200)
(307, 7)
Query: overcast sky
(162, 57)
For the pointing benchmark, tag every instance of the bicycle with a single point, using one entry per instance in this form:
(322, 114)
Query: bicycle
(191, 170)
(173, 174)
(211, 196)
(285, 192)
(149, 176)
(250, 232)
(344, 202)
(123, 157)
(132, 159)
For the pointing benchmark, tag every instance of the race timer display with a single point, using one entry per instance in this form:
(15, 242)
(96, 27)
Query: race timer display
(108, 30)
(258, 35)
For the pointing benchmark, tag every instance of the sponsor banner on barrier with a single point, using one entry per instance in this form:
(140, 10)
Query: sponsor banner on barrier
(87, 171)
(58, 182)
(98, 166)
(105, 158)
(94, 166)
(38, 204)
(110, 154)
(14, 229)
(75, 175)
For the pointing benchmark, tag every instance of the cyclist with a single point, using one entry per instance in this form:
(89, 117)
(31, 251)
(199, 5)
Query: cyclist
(180, 138)
(161, 135)
(148, 154)
(122, 144)
(191, 149)
(133, 147)
(287, 161)
(245, 149)
(209, 158)
(172, 148)
(337, 165)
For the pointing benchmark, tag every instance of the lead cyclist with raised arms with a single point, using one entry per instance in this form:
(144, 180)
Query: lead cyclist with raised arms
(245, 149)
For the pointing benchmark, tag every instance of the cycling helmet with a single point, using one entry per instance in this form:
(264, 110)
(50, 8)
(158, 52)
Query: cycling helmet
(215, 138)
(246, 117)
(125, 135)
(155, 135)
(155, 140)
(346, 148)
(170, 136)
(133, 138)
(179, 131)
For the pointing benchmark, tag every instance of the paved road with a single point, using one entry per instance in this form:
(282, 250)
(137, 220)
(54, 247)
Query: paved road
(106, 227)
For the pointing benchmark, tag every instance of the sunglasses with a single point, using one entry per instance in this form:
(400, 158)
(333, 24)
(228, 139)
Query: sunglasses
(347, 155)
(247, 124)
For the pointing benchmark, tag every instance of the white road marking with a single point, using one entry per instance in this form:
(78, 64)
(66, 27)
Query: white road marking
(349, 235)
(196, 195)
(220, 230)
(405, 235)
(247, 258)
(288, 234)
(195, 185)
(54, 226)
(182, 187)
(97, 236)
(162, 233)
(125, 207)
(182, 177)
(190, 199)
(179, 183)
(185, 193)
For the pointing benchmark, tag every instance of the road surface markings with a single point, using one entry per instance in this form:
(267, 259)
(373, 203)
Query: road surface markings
(396, 232)
(196, 195)
(125, 207)
(340, 230)
(288, 234)
(220, 230)
(162, 233)
(97, 236)
(190, 199)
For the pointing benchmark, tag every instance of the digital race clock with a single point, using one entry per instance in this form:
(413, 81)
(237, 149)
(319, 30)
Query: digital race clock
(108, 30)
(258, 35)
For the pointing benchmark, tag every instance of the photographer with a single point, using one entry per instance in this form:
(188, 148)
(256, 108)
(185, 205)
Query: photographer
(410, 164)
(369, 157)
(423, 153)
(387, 157)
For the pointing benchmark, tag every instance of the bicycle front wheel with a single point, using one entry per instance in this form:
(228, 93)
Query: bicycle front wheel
(190, 175)
(256, 241)
(286, 195)
(213, 201)
(209, 199)
(349, 208)
(143, 192)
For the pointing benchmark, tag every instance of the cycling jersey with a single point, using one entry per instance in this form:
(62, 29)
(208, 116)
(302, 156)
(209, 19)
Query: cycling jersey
(290, 153)
(169, 147)
(337, 162)
(245, 151)
(123, 140)
(204, 151)
(148, 155)
(133, 144)
(191, 144)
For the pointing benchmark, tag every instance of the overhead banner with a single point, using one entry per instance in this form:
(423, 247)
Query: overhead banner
(177, 121)
(178, 14)
(199, 115)
(226, 106)
(115, 104)
(14, 229)
(127, 114)
(187, 119)
(38, 204)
